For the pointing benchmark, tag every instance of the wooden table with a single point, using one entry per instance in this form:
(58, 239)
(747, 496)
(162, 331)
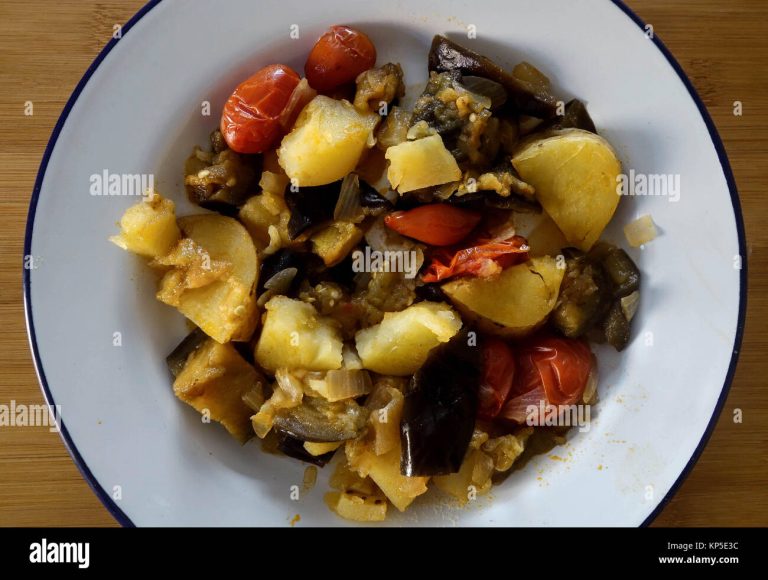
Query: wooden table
(46, 46)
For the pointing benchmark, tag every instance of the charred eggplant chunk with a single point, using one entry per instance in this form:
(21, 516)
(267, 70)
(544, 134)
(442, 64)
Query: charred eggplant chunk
(598, 296)
(178, 358)
(434, 108)
(616, 327)
(372, 201)
(318, 420)
(310, 207)
(487, 88)
(526, 97)
(576, 117)
(221, 180)
(622, 271)
(584, 296)
(294, 447)
(282, 260)
(379, 86)
(440, 408)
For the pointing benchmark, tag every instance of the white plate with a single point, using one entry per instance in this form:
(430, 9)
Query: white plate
(138, 110)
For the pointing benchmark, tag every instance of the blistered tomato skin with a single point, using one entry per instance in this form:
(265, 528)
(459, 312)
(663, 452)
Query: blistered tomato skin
(338, 57)
(250, 121)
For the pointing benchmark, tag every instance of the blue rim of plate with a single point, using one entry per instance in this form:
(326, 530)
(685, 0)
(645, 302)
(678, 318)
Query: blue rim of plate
(107, 500)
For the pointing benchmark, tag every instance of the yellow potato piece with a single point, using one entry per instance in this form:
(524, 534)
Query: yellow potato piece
(575, 175)
(327, 142)
(421, 163)
(225, 239)
(214, 380)
(514, 303)
(225, 309)
(148, 228)
(401, 342)
(296, 336)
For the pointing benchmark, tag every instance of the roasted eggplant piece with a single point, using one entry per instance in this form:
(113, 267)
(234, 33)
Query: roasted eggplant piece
(431, 293)
(590, 301)
(294, 447)
(621, 270)
(616, 327)
(526, 97)
(282, 260)
(319, 420)
(221, 180)
(441, 114)
(462, 118)
(488, 88)
(584, 296)
(372, 201)
(310, 207)
(440, 408)
(178, 358)
(576, 117)
(473, 201)
(379, 85)
(514, 202)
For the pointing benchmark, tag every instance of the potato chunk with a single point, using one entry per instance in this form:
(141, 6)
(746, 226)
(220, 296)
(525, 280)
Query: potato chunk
(357, 508)
(474, 477)
(335, 241)
(575, 176)
(384, 470)
(400, 344)
(421, 163)
(327, 142)
(225, 307)
(514, 303)
(214, 380)
(148, 228)
(266, 218)
(296, 336)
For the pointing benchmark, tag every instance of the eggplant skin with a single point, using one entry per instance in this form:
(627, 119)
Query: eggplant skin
(372, 201)
(446, 55)
(440, 409)
(282, 260)
(294, 448)
(576, 117)
(178, 358)
(310, 207)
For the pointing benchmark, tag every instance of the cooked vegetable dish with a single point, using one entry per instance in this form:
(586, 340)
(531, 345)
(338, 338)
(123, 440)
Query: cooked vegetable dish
(400, 289)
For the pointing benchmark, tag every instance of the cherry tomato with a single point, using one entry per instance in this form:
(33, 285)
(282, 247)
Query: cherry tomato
(498, 376)
(482, 259)
(338, 57)
(550, 369)
(250, 121)
(436, 224)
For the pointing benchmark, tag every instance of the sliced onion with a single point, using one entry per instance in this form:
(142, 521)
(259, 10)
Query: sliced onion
(641, 231)
(281, 282)
(342, 384)
(516, 408)
(300, 96)
(629, 305)
(590, 390)
(254, 398)
(348, 208)
(487, 88)
(289, 392)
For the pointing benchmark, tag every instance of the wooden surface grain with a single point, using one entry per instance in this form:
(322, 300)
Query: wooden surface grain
(46, 46)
